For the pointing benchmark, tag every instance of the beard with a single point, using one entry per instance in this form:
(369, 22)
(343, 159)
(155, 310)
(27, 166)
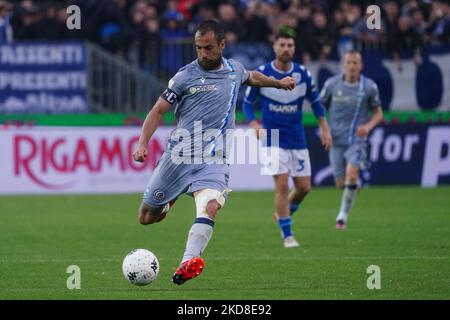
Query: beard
(210, 64)
(285, 58)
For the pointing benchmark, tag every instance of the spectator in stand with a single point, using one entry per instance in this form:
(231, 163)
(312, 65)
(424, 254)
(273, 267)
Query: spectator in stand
(319, 38)
(186, 7)
(25, 22)
(304, 13)
(151, 41)
(145, 35)
(172, 50)
(50, 27)
(201, 12)
(233, 25)
(419, 25)
(343, 33)
(322, 26)
(150, 11)
(6, 31)
(441, 24)
(258, 30)
(389, 23)
(404, 37)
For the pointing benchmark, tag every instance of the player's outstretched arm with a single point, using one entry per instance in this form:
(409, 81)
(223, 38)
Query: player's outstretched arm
(377, 116)
(258, 79)
(148, 128)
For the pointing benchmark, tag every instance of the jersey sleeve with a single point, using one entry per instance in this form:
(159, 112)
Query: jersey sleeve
(374, 96)
(241, 71)
(175, 88)
(325, 94)
(251, 96)
(313, 96)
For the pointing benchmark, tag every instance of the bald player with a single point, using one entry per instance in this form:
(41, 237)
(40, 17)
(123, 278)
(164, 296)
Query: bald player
(354, 109)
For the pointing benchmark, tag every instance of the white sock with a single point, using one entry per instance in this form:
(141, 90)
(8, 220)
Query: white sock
(199, 236)
(348, 198)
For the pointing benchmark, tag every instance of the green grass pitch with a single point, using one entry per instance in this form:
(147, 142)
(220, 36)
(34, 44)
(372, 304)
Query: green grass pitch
(403, 230)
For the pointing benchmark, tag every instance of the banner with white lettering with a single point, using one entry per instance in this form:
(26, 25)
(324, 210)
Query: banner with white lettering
(43, 78)
(75, 159)
(397, 155)
(99, 159)
(403, 87)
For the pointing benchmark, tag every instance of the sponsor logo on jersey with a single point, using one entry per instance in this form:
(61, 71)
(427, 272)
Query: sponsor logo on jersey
(286, 108)
(343, 98)
(204, 88)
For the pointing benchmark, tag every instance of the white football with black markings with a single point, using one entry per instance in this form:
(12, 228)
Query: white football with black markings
(140, 267)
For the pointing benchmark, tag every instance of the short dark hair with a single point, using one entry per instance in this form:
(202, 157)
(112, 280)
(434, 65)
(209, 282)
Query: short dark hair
(285, 32)
(284, 35)
(214, 26)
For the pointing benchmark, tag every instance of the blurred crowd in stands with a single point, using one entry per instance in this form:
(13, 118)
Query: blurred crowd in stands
(136, 29)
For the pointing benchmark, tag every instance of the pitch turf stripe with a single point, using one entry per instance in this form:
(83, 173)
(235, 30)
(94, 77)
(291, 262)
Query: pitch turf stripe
(75, 260)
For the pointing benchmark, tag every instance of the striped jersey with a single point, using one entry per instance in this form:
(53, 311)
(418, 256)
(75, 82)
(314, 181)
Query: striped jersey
(282, 109)
(205, 102)
(348, 106)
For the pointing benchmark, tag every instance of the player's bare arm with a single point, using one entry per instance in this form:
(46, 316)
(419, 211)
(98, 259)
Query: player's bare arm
(377, 117)
(148, 128)
(325, 135)
(257, 79)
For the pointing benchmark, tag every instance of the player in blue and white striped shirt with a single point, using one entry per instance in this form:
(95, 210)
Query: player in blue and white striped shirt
(282, 110)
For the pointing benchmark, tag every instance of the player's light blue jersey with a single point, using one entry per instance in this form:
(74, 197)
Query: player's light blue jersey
(282, 109)
(348, 106)
(205, 102)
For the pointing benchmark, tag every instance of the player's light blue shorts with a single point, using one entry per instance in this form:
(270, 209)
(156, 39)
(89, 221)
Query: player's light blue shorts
(341, 155)
(169, 180)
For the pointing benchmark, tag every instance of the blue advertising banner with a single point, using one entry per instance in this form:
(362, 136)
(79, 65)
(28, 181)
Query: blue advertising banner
(403, 87)
(399, 154)
(43, 78)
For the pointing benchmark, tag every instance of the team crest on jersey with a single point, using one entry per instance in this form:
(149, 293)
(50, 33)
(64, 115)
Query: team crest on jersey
(158, 194)
(297, 77)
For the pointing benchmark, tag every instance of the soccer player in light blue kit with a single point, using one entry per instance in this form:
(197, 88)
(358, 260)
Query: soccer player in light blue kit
(205, 93)
(283, 111)
(350, 98)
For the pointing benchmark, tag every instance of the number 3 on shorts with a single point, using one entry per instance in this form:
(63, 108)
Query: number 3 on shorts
(301, 164)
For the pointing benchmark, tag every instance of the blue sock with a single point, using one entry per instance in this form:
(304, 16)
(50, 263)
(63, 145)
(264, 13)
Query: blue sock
(285, 225)
(293, 207)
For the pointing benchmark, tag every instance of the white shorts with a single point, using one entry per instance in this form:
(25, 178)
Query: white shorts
(276, 161)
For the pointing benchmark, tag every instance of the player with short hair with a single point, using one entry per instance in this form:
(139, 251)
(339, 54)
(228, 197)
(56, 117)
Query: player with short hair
(350, 98)
(283, 111)
(205, 93)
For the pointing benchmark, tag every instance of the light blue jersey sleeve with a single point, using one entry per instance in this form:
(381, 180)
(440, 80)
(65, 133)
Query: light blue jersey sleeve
(325, 94)
(175, 88)
(241, 71)
(313, 96)
(373, 95)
